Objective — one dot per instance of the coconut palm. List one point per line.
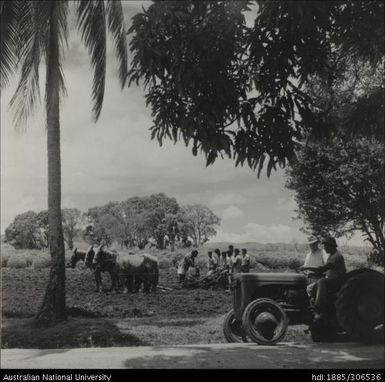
(36, 30)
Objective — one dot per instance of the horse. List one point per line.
(136, 269)
(88, 257)
(105, 261)
(76, 257)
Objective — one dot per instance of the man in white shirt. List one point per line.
(314, 259)
(237, 261)
(245, 261)
(212, 263)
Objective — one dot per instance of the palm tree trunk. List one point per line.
(53, 308)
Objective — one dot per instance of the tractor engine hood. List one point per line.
(272, 278)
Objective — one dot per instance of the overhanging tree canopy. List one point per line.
(239, 91)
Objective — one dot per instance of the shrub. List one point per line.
(4, 259)
(41, 262)
(17, 262)
(294, 263)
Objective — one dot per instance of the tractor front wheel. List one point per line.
(264, 321)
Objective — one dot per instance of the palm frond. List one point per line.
(92, 24)
(9, 38)
(117, 28)
(63, 39)
(28, 52)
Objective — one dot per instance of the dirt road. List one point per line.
(217, 356)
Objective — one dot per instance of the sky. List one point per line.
(115, 159)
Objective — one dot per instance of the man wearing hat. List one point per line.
(314, 259)
(334, 271)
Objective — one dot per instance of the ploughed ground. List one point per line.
(168, 317)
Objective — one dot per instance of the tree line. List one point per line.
(136, 222)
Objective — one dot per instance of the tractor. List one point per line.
(264, 304)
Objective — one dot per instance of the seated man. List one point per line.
(334, 270)
(314, 259)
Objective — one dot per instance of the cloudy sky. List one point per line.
(115, 159)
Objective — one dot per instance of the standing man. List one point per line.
(229, 267)
(334, 270)
(223, 260)
(187, 262)
(212, 263)
(237, 262)
(245, 263)
(218, 255)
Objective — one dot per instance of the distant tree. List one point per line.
(30, 229)
(161, 215)
(42, 221)
(106, 224)
(239, 91)
(24, 232)
(175, 226)
(71, 220)
(201, 223)
(339, 187)
(134, 221)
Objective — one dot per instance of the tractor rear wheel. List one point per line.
(264, 321)
(232, 328)
(360, 306)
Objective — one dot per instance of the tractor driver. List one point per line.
(334, 271)
(314, 259)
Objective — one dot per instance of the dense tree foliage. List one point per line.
(29, 230)
(339, 178)
(238, 90)
(340, 188)
(201, 223)
(25, 232)
(156, 218)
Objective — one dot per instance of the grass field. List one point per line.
(178, 316)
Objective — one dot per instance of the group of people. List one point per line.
(325, 272)
(229, 262)
(325, 268)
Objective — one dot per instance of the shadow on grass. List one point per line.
(73, 333)
(168, 323)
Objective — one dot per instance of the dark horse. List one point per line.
(81, 256)
(88, 257)
(105, 261)
(135, 269)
